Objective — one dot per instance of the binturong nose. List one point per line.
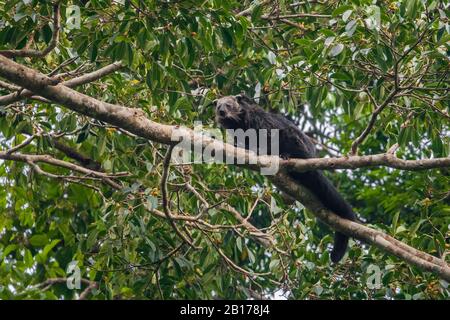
(222, 110)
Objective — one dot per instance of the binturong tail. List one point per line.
(328, 195)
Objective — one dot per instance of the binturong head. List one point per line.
(232, 112)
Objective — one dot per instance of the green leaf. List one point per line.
(336, 50)
(10, 248)
(273, 265)
(256, 13)
(303, 42)
(395, 221)
(84, 133)
(93, 52)
(28, 259)
(227, 37)
(39, 240)
(404, 135)
(318, 290)
(251, 257)
(239, 244)
(340, 10)
(346, 15)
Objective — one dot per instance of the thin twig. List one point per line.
(53, 42)
(165, 203)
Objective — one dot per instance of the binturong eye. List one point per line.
(221, 110)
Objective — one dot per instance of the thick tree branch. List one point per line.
(33, 159)
(76, 155)
(353, 162)
(84, 79)
(383, 241)
(135, 121)
(89, 173)
(8, 86)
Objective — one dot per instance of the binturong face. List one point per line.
(229, 113)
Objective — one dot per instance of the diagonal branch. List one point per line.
(373, 119)
(84, 79)
(263, 238)
(135, 121)
(26, 142)
(165, 202)
(33, 159)
(76, 155)
(394, 93)
(377, 238)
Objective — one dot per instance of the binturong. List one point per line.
(241, 112)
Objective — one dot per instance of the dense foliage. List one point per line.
(327, 65)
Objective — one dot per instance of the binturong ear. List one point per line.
(239, 97)
(242, 98)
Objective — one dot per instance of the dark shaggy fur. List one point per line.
(240, 112)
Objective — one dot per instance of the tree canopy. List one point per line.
(92, 90)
